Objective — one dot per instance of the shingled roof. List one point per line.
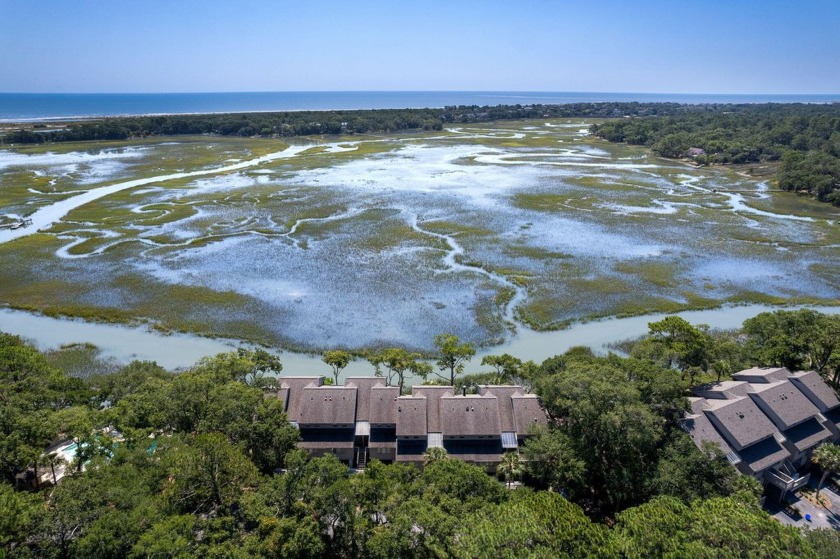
(364, 412)
(294, 387)
(765, 416)
(472, 415)
(527, 412)
(783, 403)
(764, 454)
(328, 405)
(411, 416)
(282, 394)
(383, 405)
(700, 429)
(740, 420)
(752, 459)
(815, 389)
(503, 393)
(807, 434)
(364, 385)
(762, 374)
(433, 394)
(723, 390)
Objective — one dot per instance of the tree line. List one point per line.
(206, 464)
(307, 123)
(803, 139)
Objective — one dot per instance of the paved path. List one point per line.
(820, 517)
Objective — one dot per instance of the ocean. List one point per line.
(47, 106)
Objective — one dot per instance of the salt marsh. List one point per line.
(483, 231)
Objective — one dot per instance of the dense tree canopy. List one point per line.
(804, 139)
(305, 123)
(207, 467)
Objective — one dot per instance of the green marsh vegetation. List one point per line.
(569, 227)
(802, 140)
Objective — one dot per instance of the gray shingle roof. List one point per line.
(470, 415)
(740, 421)
(411, 416)
(295, 386)
(815, 389)
(700, 429)
(833, 416)
(723, 390)
(383, 444)
(282, 394)
(503, 393)
(762, 374)
(527, 412)
(807, 434)
(328, 405)
(778, 417)
(763, 455)
(383, 405)
(364, 384)
(489, 458)
(318, 445)
(783, 403)
(433, 394)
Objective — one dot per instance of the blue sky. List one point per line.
(675, 46)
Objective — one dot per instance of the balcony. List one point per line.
(786, 482)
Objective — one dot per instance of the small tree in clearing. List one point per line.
(827, 457)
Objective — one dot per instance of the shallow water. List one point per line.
(391, 241)
(178, 351)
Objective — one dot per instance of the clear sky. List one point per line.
(645, 46)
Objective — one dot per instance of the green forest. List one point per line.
(803, 139)
(305, 123)
(203, 463)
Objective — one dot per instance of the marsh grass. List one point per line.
(565, 278)
(81, 360)
(659, 274)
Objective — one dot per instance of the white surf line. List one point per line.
(46, 217)
(450, 260)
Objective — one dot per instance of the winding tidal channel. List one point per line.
(49, 215)
(178, 351)
(494, 233)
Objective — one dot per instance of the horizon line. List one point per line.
(487, 91)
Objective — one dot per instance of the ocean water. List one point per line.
(46, 106)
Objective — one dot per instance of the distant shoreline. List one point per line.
(75, 107)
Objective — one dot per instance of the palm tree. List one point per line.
(434, 454)
(827, 457)
(55, 459)
(510, 467)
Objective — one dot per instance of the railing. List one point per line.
(786, 482)
(361, 458)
